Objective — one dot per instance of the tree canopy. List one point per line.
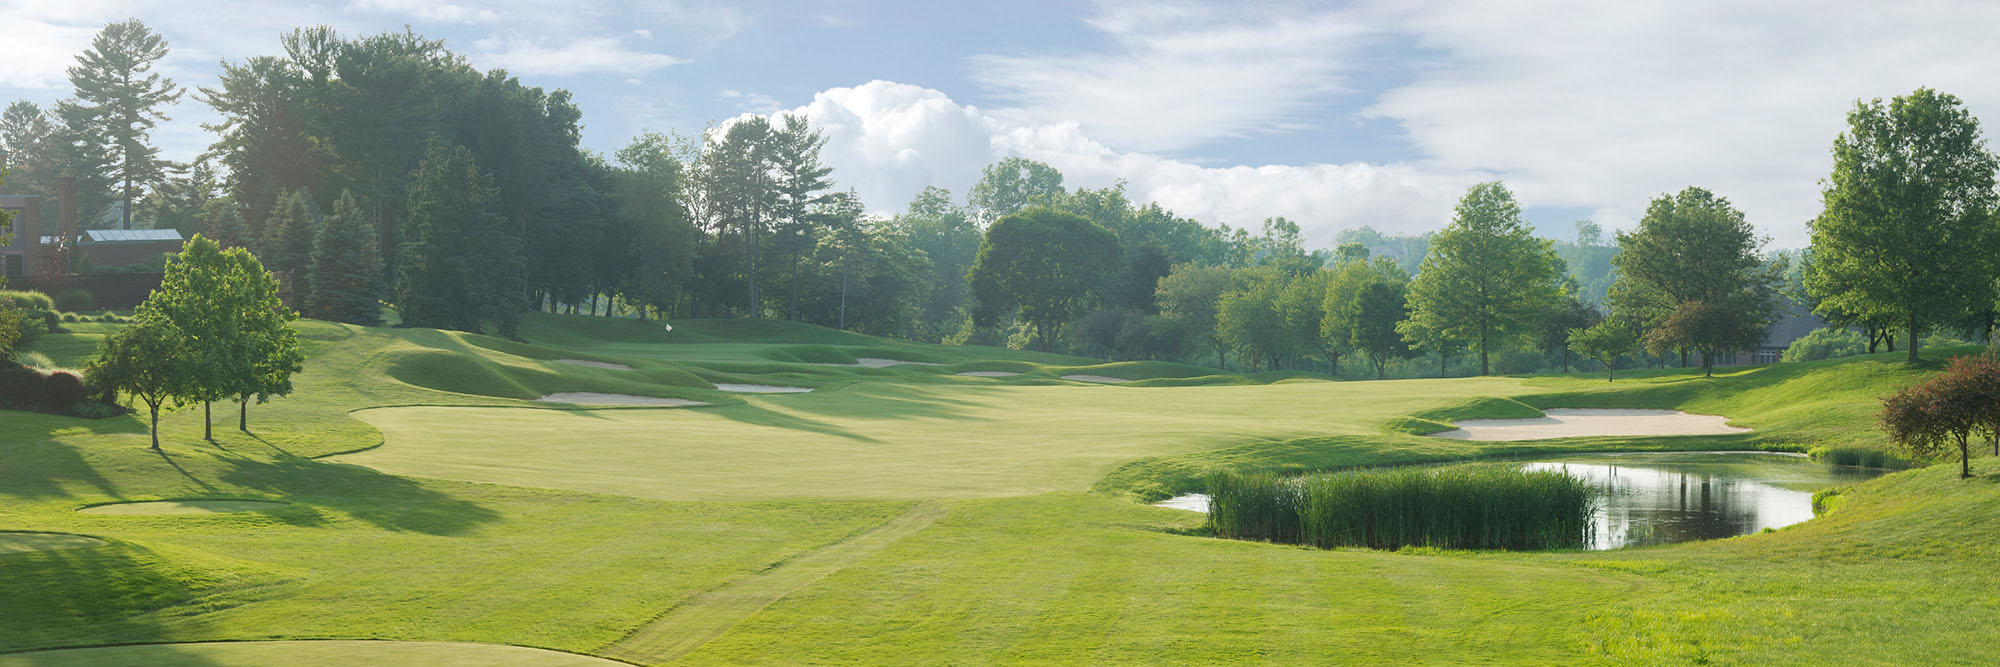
(1907, 232)
(1048, 264)
(1486, 279)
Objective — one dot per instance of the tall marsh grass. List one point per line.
(1465, 507)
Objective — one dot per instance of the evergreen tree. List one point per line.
(120, 97)
(346, 270)
(458, 266)
(287, 242)
(28, 148)
(800, 184)
(222, 221)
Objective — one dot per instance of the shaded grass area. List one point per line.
(1460, 507)
(357, 553)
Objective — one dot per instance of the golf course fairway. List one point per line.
(434, 512)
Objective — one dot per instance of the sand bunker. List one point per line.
(876, 362)
(760, 388)
(11, 543)
(988, 374)
(182, 507)
(1192, 502)
(1095, 378)
(594, 398)
(593, 364)
(1571, 423)
(308, 653)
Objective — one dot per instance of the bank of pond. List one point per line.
(1587, 501)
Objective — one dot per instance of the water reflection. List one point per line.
(1662, 497)
(1658, 498)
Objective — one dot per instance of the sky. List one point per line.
(1335, 115)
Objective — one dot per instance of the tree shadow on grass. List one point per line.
(887, 401)
(751, 413)
(109, 594)
(35, 461)
(387, 501)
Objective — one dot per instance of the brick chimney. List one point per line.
(66, 209)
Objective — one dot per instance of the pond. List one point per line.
(1665, 497)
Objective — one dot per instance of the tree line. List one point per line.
(385, 168)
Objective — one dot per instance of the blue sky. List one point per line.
(1335, 115)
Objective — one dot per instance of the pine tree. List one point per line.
(458, 266)
(222, 221)
(801, 183)
(121, 101)
(287, 244)
(346, 270)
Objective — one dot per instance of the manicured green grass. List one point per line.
(780, 525)
(332, 653)
(875, 440)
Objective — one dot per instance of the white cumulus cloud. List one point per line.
(889, 140)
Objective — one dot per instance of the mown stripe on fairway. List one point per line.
(687, 627)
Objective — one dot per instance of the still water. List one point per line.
(1659, 498)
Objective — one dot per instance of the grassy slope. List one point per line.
(1892, 573)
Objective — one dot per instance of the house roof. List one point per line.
(117, 235)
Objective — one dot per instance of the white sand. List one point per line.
(1571, 423)
(25, 542)
(593, 364)
(182, 507)
(760, 388)
(1095, 378)
(593, 398)
(988, 374)
(1193, 502)
(877, 362)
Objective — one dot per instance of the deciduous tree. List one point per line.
(1908, 227)
(1049, 265)
(1486, 279)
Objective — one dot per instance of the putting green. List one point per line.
(325, 653)
(157, 507)
(881, 441)
(24, 542)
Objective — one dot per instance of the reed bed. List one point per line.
(1465, 507)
